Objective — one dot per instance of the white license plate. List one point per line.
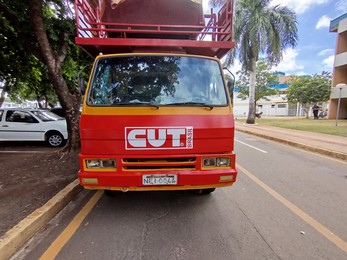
(159, 179)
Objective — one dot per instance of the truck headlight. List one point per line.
(223, 162)
(100, 163)
(209, 162)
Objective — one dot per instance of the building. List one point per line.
(338, 98)
(276, 105)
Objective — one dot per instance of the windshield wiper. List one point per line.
(136, 104)
(191, 103)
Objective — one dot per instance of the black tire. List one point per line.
(112, 193)
(205, 191)
(55, 139)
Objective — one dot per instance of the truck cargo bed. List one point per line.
(119, 26)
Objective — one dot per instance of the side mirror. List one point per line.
(230, 87)
(81, 86)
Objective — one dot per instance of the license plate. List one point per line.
(159, 179)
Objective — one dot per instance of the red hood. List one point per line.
(165, 134)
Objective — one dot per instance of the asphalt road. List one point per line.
(286, 204)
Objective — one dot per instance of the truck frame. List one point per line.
(157, 112)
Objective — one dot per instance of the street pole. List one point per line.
(338, 108)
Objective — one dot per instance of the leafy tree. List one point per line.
(260, 29)
(21, 73)
(308, 90)
(32, 84)
(265, 79)
(44, 30)
(11, 59)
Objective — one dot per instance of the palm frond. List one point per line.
(261, 29)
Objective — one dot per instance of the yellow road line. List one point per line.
(65, 236)
(340, 243)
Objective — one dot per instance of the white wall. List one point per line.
(277, 106)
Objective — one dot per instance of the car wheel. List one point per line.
(55, 139)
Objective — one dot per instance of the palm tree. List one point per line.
(260, 30)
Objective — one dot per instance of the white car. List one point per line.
(21, 124)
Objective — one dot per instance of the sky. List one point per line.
(315, 49)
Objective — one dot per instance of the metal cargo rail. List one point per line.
(95, 34)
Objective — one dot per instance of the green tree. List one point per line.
(44, 29)
(308, 90)
(260, 30)
(12, 60)
(32, 83)
(265, 80)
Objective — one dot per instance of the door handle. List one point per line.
(4, 125)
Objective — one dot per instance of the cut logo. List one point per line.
(144, 138)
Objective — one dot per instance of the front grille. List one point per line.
(147, 164)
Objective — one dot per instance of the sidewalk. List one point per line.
(329, 145)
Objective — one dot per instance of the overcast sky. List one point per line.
(316, 45)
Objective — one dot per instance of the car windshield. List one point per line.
(157, 80)
(46, 116)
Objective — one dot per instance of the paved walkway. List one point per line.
(329, 145)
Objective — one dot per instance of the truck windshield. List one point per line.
(157, 80)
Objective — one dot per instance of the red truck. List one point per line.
(157, 112)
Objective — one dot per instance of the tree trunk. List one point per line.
(252, 79)
(69, 99)
(2, 97)
(307, 110)
(38, 100)
(73, 119)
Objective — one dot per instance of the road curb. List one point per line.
(17, 236)
(330, 153)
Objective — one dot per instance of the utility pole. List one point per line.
(338, 107)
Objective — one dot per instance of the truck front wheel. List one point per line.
(205, 191)
(111, 193)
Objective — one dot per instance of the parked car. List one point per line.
(58, 111)
(21, 124)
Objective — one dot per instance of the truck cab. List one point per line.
(156, 116)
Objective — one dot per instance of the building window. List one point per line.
(282, 105)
